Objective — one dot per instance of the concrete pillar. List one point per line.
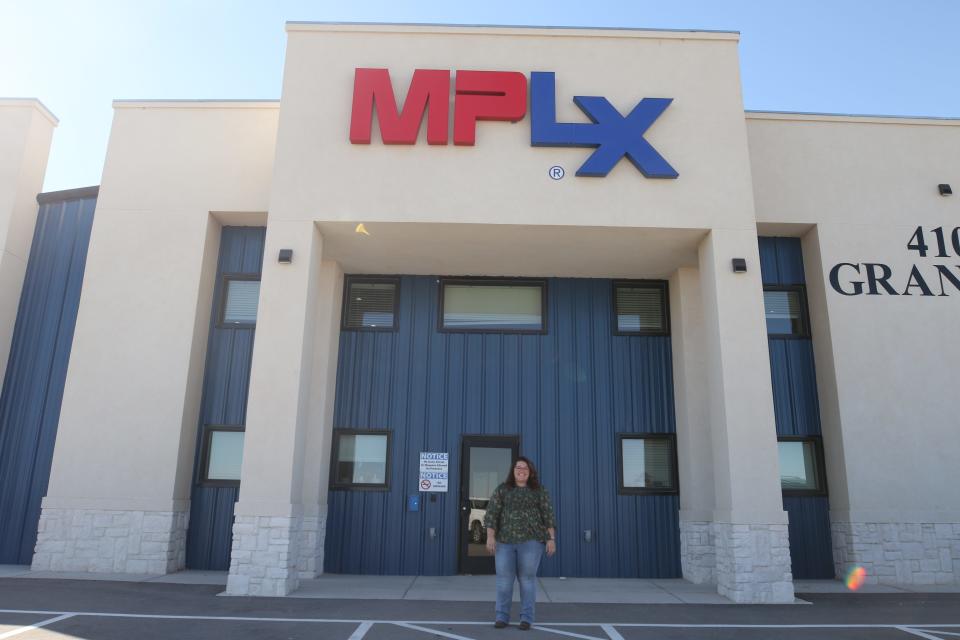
(316, 466)
(131, 403)
(694, 450)
(26, 129)
(835, 457)
(132, 397)
(750, 525)
(270, 513)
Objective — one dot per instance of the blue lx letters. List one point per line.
(614, 135)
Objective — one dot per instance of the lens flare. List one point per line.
(856, 577)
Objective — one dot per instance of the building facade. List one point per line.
(309, 335)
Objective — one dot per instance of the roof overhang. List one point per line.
(509, 250)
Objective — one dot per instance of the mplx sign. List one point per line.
(502, 95)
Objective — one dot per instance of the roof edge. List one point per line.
(197, 104)
(35, 103)
(68, 194)
(499, 29)
(809, 116)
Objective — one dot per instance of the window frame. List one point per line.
(335, 457)
(370, 279)
(819, 461)
(224, 290)
(641, 284)
(206, 440)
(644, 491)
(497, 282)
(804, 314)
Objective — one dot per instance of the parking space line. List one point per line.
(918, 633)
(161, 616)
(569, 634)
(361, 631)
(610, 631)
(36, 625)
(920, 630)
(436, 632)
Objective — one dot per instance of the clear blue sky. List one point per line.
(891, 57)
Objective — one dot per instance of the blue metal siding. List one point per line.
(811, 555)
(37, 369)
(797, 410)
(225, 385)
(781, 261)
(566, 394)
(795, 400)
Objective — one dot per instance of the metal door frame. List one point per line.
(466, 564)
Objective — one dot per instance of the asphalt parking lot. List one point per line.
(63, 609)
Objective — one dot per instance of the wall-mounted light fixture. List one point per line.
(739, 265)
(944, 189)
(286, 256)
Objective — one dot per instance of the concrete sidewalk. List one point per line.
(436, 588)
(481, 588)
(181, 577)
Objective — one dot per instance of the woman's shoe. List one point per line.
(524, 626)
(500, 624)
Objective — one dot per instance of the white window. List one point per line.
(370, 303)
(240, 301)
(361, 459)
(640, 308)
(801, 466)
(647, 463)
(223, 455)
(784, 312)
(493, 305)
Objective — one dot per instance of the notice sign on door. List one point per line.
(434, 471)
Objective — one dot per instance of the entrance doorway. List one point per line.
(485, 463)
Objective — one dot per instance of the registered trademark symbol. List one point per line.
(556, 172)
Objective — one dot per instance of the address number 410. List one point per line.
(918, 244)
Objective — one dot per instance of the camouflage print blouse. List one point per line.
(519, 514)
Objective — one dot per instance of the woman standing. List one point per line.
(520, 525)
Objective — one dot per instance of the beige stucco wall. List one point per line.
(26, 130)
(175, 172)
(888, 399)
(492, 209)
(503, 180)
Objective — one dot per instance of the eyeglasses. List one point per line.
(524, 469)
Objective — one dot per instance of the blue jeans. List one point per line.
(517, 562)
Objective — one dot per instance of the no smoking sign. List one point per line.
(434, 471)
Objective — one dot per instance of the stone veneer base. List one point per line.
(313, 531)
(265, 557)
(698, 558)
(753, 562)
(899, 553)
(111, 541)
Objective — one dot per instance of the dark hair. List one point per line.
(533, 481)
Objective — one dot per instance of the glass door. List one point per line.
(486, 461)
